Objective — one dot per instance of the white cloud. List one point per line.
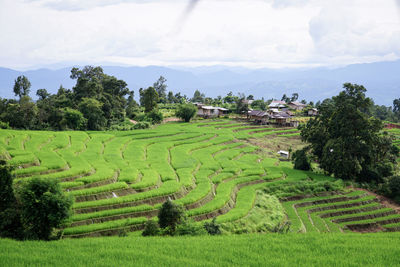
(253, 33)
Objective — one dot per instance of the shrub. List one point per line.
(141, 125)
(391, 188)
(212, 227)
(43, 207)
(189, 227)
(186, 112)
(155, 116)
(10, 223)
(151, 228)
(170, 215)
(301, 160)
(4, 125)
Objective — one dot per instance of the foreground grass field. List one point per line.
(381, 249)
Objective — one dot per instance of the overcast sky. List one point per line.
(250, 33)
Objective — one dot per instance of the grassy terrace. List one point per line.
(213, 168)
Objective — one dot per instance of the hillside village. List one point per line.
(278, 113)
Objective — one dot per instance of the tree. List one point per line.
(198, 97)
(161, 89)
(171, 98)
(285, 98)
(348, 143)
(396, 107)
(73, 119)
(149, 99)
(10, 223)
(43, 207)
(22, 86)
(250, 97)
(301, 160)
(170, 215)
(42, 94)
(91, 109)
(132, 107)
(295, 96)
(186, 112)
(230, 98)
(242, 106)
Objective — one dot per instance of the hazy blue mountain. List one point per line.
(382, 79)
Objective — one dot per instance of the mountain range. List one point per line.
(382, 80)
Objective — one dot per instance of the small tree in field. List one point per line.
(186, 112)
(43, 207)
(301, 160)
(10, 223)
(170, 215)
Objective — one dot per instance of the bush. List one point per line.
(10, 223)
(142, 125)
(189, 227)
(43, 207)
(155, 116)
(151, 228)
(212, 227)
(186, 112)
(170, 215)
(391, 188)
(4, 125)
(301, 160)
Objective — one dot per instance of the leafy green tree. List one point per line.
(149, 99)
(22, 86)
(198, 97)
(242, 107)
(73, 119)
(170, 215)
(396, 107)
(44, 207)
(132, 108)
(230, 98)
(10, 223)
(295, 96)
(161, 89)
(91, 109)
(186, 112)
(42, 94)
(348, 143)
(301, 161)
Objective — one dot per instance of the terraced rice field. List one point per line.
(340, 212)
(120, 179)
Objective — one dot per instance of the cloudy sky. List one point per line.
(250, 33)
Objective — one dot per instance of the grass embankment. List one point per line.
(237, 250)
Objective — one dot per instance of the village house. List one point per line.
(313, 112)
(296, 105)
(260, 117)
(210, 111)
(277, 104)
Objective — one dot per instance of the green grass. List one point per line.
(236, 250)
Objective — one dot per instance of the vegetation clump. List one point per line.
(34, 209)
(347, 142)
(186, 112)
